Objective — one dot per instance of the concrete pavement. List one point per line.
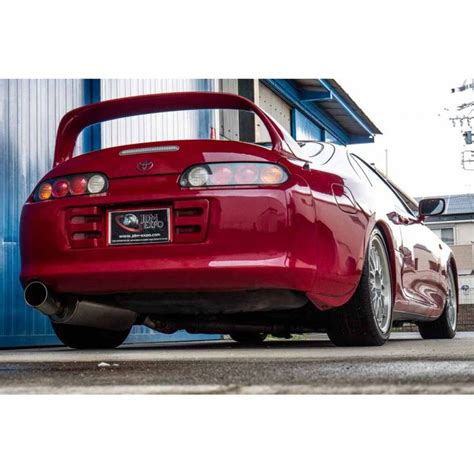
(406, 364)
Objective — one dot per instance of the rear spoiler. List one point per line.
(78, 119)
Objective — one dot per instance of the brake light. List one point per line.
(233, 174)
(222, 175)
(75, 185)
(246, 173)
(60, 188)
(78, 185)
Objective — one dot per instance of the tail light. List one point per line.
(233, 174)
(44, 192)
(73, 185)
(78, 185)
(60, 188)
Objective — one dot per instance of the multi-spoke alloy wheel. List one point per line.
(445, 326)
(451, 302)
(379, 283)
(367, 319)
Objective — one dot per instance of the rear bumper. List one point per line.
(167, 274)
(253, 238)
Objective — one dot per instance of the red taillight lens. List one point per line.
(60, 188)
(246, 173)
(221, 175)
(78, 185)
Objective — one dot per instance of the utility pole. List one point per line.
(464, 118)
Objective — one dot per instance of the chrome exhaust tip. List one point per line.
(77, 312)
(37, 296)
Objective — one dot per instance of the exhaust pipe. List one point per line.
(78, 312)
(37, 296)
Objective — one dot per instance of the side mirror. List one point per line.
(431, 207)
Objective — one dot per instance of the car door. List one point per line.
(421, 271)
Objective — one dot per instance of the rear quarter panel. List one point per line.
(346, 210)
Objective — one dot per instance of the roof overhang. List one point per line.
(325, 103)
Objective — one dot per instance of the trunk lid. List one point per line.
(161, 158)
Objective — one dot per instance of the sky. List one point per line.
(424, 149)
(398, 60)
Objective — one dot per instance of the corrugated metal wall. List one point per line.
(305, 129)
(155, 127)
(30, 111)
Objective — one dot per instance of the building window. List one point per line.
(446, 235)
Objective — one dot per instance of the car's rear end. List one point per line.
(181, 227)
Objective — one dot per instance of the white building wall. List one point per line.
(465, 233)
(274, 106)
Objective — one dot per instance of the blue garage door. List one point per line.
(30, 111)
(305, 129)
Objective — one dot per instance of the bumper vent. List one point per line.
(190, 220)
(85, 227)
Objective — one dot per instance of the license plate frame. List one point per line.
(153, 229)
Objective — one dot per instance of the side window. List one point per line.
(384, 191)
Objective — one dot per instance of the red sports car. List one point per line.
(223, 236)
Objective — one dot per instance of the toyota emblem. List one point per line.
(145, 165)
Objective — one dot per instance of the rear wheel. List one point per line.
(81, 337)
(248, 337)
(445, 326)
(366, 320)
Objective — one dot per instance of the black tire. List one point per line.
(443, 327)
(355, 323)
(81, 337)
(248, 337)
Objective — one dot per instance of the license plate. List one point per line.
(138, 226)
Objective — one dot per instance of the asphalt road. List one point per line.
(406, 364)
